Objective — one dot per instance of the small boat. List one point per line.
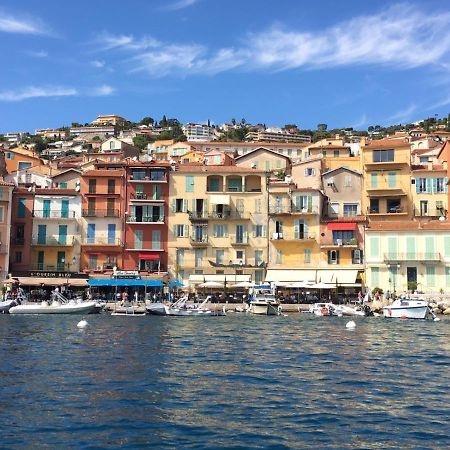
(6, 305)
(347, 310)
(407, 308)
(59, 305)
(129, 311)
(265, 304)
(182, 308)
(322, 309)
(157, 309)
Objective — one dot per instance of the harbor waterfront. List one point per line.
(233, 382)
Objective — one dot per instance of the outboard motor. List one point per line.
(367, 311)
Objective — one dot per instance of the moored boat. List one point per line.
(407, 308)
(265, 304)
(54, 307)
(182, 308)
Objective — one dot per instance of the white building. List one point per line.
(198, 132)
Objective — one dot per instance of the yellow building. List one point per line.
(294, 233)
(218, 224)
(386, 169)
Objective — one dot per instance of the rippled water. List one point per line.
(236, 382)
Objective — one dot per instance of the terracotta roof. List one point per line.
(104, 173)
(215, 169)
(345, 219)
(409, 225)
(306, 190)
(53, 191)
(250, 144)
(259, 149)
(329, 147)
(421, 168)
(387, 143)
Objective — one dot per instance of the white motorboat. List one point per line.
(59, 305)
(183, 308)
(55, 307)
(407, 308)
(6, 305)
(347, 310)
(129, 311)
(322, 309)
(265, 304)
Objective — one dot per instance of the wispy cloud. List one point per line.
(102, 91)
(36, 92)
(180, 4)
(361, 121)
(11, 24)
(30, 92)
(37, 53)
(403, 115)
(401, 37)
(98, 64)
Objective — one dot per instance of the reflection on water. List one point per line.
(223, 382)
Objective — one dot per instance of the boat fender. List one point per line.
(350, 325)
(324, 311)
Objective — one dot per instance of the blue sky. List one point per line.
(344, 63)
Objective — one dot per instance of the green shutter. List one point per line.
(296, 229)
(447, 276)
(309, 203)
(374, 247)
(411, 248)
(447, 246)
(189, 183)
(430, 248)
(392, 180)
(431, 276)
(392, 246)
(373, 180)
(375, 275)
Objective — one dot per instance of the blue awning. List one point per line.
(95, 282)
(176, 284)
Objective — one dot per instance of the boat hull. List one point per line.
(79, 308)
(6, 306)
(415, 312)
(263, 309)
(157, 309)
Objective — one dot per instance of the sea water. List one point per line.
(237, 382)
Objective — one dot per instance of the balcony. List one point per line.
(146, 219)
(243, 240)
(92, 192)
(58, 267)
(101, 241)
(54, 241)
(109, 265)
(136, 196)
(395, 210)
(151, 176)
(301, 210)
(44, 214)
(199, 241)
(331, 243)
(413, 256)
(100, 213)
(198, 215)
(292, 237)
(292, 209)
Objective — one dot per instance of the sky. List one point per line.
(346, 63)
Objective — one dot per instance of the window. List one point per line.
(347, 181)
(93, 262)
(279, 257)
(220, 256)
(373, 180)
(383, 155)
(258, 276)
(423, 160)
(289, 152)
(431, 278)
(21, 208)
(181, 230)
(258, 257)
(259, 231)
(180, 256)
(258, 206)
(63, 185)
(336, 153)
(350, 209)
(392, 180)
(343, 236)
(9, 155)
(92, 186)
(1, 214)
(112, 145)
(278, 164)
(220, 231)
(24, 165)
(180, 205)
(439, 185)
(374, 207)
(421, 185)
(156, 195)
(138, 239)
(324, 153)
(310, 172)
(375, 275)
(357, 256)
(18, 258)
(307, 255)
(189, 183)
(333, 256)
(199, 255)
(156, 239)
(440, 207)
(111, 186)
(267, 165)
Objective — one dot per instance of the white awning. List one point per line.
(48, 281)
(341, 277)
(219, 199)
(219, 278)
(290, 276)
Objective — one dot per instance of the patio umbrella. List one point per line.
(243, 284)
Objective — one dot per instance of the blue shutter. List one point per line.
(62, 234)
(42, 232)
(445, 184)
(190, 183)
(434, 184)
(428, 184)
(91, 233)
(111, 233)
(46, 210)
(417, 185)
(65, 209)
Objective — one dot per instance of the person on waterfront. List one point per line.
(136, 296)
(387, 295)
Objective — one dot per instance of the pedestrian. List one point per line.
(136, 296)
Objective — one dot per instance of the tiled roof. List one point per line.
(104, 173)
(217, 169)
(345, 219)
(387, 143)
(53, 191)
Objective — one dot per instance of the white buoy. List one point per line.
(350, 324)
(82, 324)
(436, 319)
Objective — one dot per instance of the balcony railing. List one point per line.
(109, 265)
(392, 210)
(292, 236)
(148, 177)
(199, 240)
(239, 240)
(55, 241)
(100, 213)
(142, 196)
(58, 267)
(291, 209)
(198, 215)
(44, 214)
(339, 242)
(413, 256)
(101, 241)
(145, 219)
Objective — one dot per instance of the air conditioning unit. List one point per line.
(339, 241)
(330, 182)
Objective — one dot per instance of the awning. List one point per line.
(219, 278)
(217, 199)
(344, 226)
(341, 277)
(52, 281)
(149, 256)
(96, 282)
(290, 275)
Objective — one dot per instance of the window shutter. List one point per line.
(193, 205)
(445, 184)
(309, 203)
(225, 230)
(264, 231)
(175, 231)
(434, 184)
(428, 185)
(174, 205)
(185, 205)
(417, 185)
(296, 229)
(337, 256)
(306, 172)
(254, 230)
(205, 206)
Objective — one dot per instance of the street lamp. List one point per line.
(69, 263)
(394, 275)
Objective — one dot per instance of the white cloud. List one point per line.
(404, 115)
(11, 24)
(401, 37)
(38, 53)
(361, 121)
(101, 91)
(98, 64)
(35, 92)
(180, 4)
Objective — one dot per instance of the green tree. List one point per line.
(163, 122)
(147, 121)
(322, 127)
(141, 141)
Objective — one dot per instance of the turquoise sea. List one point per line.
(235, 382)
